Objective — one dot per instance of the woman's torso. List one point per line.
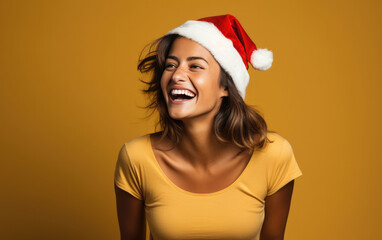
(228, 204)
(212, 179)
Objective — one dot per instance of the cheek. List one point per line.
(203, 81)
(209, 84)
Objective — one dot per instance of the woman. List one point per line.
(214, 171)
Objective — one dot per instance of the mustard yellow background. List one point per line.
(70, 97)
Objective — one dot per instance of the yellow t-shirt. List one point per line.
(235, 212)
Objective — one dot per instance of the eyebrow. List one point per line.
(188, 59)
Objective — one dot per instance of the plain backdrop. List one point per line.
(70, 97)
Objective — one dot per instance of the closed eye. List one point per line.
(196, 66)
(169, 66)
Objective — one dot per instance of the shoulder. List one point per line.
(277, 143)
(137, 141)
(276, 137)
(279, 149)
(281, 164)
(131, 150)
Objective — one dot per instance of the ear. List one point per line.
(224, 91)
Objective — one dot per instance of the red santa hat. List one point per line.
(227, 41)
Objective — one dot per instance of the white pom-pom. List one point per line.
(261, 59)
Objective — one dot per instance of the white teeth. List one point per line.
(183, 92)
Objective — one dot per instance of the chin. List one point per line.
(179, 113)
(177, 116)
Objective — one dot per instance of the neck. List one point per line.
(200, 145)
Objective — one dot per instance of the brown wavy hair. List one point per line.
(235, 122)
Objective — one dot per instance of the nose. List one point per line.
(179, 75)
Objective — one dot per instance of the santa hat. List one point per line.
(227, 41)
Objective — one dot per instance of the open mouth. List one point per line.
(181, 95)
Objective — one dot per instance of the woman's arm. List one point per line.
(276, 213)
(131, 216)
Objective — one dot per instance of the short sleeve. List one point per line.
(126, 174)
(283, 169)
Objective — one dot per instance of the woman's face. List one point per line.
(190, 81)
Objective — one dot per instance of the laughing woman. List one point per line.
(214, 171)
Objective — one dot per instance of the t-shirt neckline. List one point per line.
(229, 187)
